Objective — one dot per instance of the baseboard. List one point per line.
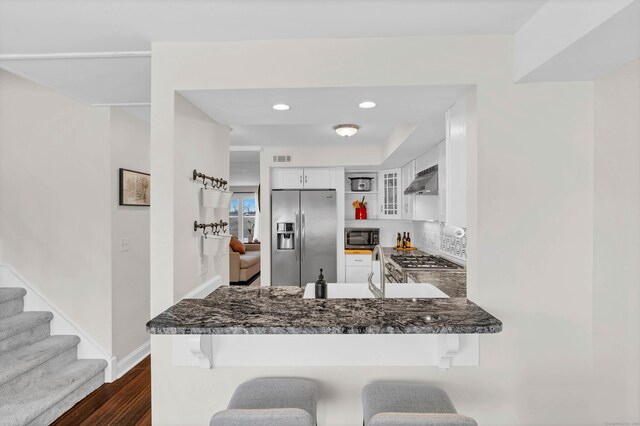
(133, 359)
(204, 289)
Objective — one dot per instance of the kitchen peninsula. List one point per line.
(282, 310)
(245, 326)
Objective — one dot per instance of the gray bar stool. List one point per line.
(271, 402)
(402, 404)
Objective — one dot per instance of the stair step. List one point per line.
(28, 364)
(11, 308)
(11, 293)
(23, 329)
(11, 301)
(42, 402)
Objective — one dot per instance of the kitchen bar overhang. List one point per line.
(282, 312)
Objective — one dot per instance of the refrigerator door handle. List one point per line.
(297, 234)
(302, 238)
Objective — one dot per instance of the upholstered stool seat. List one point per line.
(271, 402)
(401, 404)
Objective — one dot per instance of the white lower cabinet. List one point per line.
(358, 267)
(357, 274)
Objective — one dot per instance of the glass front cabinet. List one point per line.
(390, 194)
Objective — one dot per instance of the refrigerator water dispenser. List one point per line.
(286, 235)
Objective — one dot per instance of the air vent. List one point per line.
(281, 158)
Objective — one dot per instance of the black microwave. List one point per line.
(361, 238)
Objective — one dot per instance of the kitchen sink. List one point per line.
(393, 291)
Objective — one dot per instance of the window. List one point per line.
(244, 217)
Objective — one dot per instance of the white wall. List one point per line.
(55, 200)
(616, 295)
(60, 222)
(129, 269)
(526, 266)
(203, 145)
(244, 173)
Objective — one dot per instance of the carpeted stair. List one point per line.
(41, 376)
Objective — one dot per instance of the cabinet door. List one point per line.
(288, 178)
(357, 274)
(408, 175)
(456, 170)
(389, 196)
(319, 179)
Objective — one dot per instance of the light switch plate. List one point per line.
(124, 244)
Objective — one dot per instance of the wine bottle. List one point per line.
(404, 240)
(408, 240)
(399, 241)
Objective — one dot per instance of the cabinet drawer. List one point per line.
(357, 274)
(358, 260)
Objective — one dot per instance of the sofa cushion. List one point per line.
(249, 259)
(237, 245)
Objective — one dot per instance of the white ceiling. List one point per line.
(611, 45)
(56, 26)
(314, 112)
(29, 26)
(92, 81)
(333, 105)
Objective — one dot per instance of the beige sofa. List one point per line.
(243, 267)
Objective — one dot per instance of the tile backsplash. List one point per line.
(427, 236)
(453, 246)
(430, 238)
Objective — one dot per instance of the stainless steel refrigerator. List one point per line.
(303, 236)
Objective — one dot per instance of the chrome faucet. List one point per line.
(377, 292)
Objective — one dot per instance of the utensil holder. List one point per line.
(215, 245)
(216, 198)
(361, 213)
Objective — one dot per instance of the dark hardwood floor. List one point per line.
(127, 401)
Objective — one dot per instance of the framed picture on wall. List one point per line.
(135, 188)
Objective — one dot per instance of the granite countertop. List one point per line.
(282, 310)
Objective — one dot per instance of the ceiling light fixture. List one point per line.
(281, 107)
(367, 104)
(346, 130)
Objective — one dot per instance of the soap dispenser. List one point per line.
(321, 287)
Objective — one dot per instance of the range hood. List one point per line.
(425, 183)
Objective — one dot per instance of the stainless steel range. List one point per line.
(400, 264)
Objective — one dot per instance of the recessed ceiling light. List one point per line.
(346, 130)
(281, 107)
(367, 104)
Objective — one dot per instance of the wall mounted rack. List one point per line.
(215, 182)
(215, 227)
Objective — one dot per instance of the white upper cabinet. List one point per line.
(299, 178)
(288, 178)
(408, 174)
(318, 178)
(456, 165)
(390, 194)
